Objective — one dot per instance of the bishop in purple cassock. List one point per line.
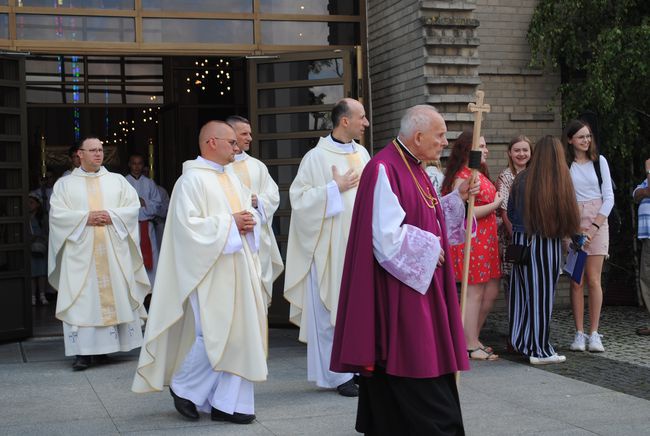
(398, 322)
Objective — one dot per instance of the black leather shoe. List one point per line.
(237, 418)
(184, 407)
(81, 363)
(348, 389)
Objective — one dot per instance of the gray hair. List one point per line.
(416, 118)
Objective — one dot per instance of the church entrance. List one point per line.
(154, 106)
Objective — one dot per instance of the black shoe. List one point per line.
(237, 418)
(184, 407)
(102, 359)
(81, 363)
(348, 389)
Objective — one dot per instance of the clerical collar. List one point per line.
(348, 148)
(241, 156)
(89, 172)
(403, 147)
(214, 165)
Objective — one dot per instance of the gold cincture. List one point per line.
(429, 199)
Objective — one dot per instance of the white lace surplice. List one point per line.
(408, 253)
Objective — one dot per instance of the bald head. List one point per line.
(217, 142)
(424, 132)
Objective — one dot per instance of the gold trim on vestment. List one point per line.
(100, 255)
(354, 161)
(231, 193)
(241, 169)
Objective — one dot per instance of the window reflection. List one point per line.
(199, 5)
(11, 207)
(311, 7)
(11, 233)
(315, 95)
(195, 30)
(74, 28)
(10, 151)
(4, 26)
(11, 261)
(9, 97)
(283, 174)
(9, 124)
(309, 33)
(10, 178)
(94, 4)
(300, 70)
(296, 122)
(286, 148)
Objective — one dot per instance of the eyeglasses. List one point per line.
(92, 150)
(581, 137)
(232, 142)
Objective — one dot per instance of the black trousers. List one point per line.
(390, 405)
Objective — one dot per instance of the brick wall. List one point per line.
(396, 61)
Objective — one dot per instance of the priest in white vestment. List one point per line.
(150, 208)
(206, 335)
(265, 198)
(322, 198)
(94, 259)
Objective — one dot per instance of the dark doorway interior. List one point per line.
(153, 106)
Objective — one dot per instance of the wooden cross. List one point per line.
(477, 108)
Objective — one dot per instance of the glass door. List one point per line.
(291, 98)
(15, 289)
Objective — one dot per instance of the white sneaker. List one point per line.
(595, 344)
(579, 342)
(556, 358)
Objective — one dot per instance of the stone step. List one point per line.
(453, 80)
(458, 117)
(448, 5)
(451, 98)
(451, 60)
(453, 41)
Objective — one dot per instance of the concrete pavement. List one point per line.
(40, 395)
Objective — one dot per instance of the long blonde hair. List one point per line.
(550, 206)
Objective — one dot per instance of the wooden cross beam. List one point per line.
(477, 108)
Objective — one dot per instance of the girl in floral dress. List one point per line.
(485, 268)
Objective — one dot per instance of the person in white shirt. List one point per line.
(595, 202)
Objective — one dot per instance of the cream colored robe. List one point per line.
(314, 238)
(231, 300)
(255, 176)
(116, 296)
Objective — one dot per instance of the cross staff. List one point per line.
(477, 108)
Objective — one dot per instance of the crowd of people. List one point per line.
(374, 256)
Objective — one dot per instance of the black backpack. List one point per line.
(614, 218)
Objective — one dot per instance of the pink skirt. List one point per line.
(599, 244)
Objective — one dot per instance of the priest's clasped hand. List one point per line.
(345, 181)
(254, 200)
(441, 258)
(99, 218)
(245, 221)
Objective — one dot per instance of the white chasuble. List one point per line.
(318, 237)
(255, 176)
(97, 270)
(195, 257)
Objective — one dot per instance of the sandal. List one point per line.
(486, 355)
(487, 349)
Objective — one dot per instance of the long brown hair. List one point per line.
(550, 207)
(571, 129)
(459, 158)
